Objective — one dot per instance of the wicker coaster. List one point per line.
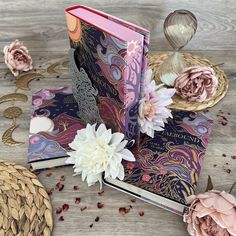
(156, 59)
(25, 208)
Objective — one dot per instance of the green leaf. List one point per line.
(232, 187)
(209, 184)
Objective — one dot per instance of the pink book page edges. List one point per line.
(115, 29)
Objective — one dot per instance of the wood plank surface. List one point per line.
(41, 26)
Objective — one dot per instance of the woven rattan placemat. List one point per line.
(25, 208)
(156, 59)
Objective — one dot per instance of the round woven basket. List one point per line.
(25, 207)
(156, 59)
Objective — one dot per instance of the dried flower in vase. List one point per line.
(196, 83)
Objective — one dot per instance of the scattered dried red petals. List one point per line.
(133, 200)
(100, 205)
(91, 226)
(233, 157)
(50, 191)
(61, 218)
(65, 207)
(141, 213)
(97, 219)
(49, 174)
(59, 186)
(58, 210)
(62, 178)
(77, 200)
(222, 120)
(124, 210)
(76, 187)
(101, 193)
(83, 208)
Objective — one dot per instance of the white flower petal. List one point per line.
(116, 138)
(127, 155)
(121, 173)
(105, 137)
(70, 160)
(101, 129)
(121, 145)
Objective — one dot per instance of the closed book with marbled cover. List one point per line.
(107, 59)
(168, 166)
(54, 124)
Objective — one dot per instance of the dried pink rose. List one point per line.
(196, 83)
(211, 213)
(17, 58)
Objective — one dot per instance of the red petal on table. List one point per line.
(59, 186)
(233, 157)
(124, 210)
(50, 191)
(101, 193)
(62, 178)
(58, 210)
(141, 213)
(100, 205)
(83, 208)
(61, 218)
(76, 187)
(65, 207)
(77, 200)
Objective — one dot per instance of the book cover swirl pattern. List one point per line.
(114, 68)
(169, 164)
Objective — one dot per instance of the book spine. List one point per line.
(133, 74)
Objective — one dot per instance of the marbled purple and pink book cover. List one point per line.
(108, 57)
(54, 124)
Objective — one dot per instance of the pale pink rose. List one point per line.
(17, 58)
(211, 214)
(146, 177)
(196, 83)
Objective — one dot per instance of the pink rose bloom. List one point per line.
(146, 177)
(17, 58)
(196, 83)
(211, 214)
